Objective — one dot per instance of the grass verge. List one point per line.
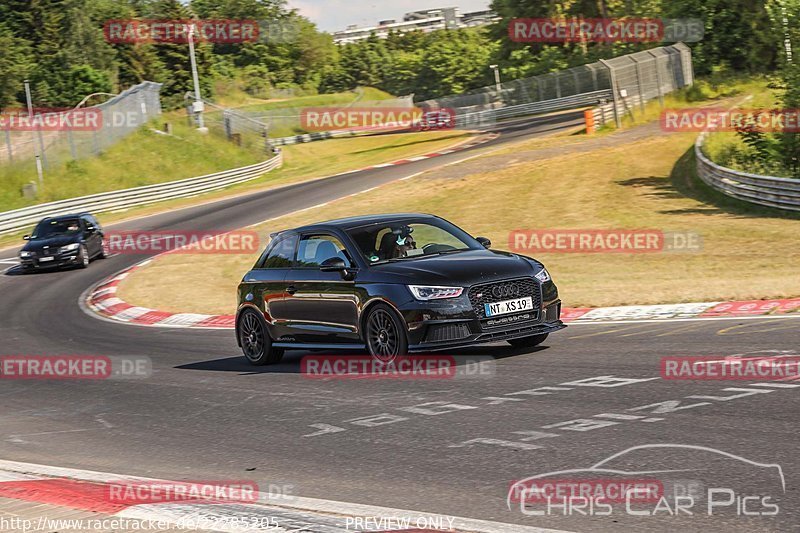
(302, 162)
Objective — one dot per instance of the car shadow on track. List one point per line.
(292, 361)
(17, 270)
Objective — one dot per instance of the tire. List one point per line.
(528, 342)
(385, 333)
(102, 254)
(83, 257)
(255, 340)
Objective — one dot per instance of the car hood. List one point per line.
(462, 268)
(52, 242)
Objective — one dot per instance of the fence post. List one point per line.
(71, 140)
(8, 147)
(639, 83)
(658, 78)
(41, 146)
(613, 77)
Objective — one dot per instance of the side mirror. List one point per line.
(337, 264)
(486, 243)
(333, 264)
(90, 229)
(26, 237)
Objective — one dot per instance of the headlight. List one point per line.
(24, 254)
(543, 275)
(421, 292)
(69, 247)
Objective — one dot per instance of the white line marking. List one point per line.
(668, 320)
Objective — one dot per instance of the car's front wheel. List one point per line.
(255, 340)
(528, 342)
(83, 257)
(385, 334)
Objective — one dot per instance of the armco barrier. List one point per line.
(11, 221)
(771, 191)
(490, 116)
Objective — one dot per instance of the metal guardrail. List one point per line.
(17, 219)
(770, 191)
(490, 116)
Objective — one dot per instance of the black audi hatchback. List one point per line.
(391, 284)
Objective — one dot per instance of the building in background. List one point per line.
(444, 18)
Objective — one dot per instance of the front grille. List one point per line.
(446, 332)
(505, 290)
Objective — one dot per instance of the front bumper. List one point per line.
(457, 322)
(58, 260)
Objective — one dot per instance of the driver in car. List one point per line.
(397, 243)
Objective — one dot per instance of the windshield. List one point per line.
(409, 239)
(56, 228)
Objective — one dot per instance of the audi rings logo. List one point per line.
(506, 291)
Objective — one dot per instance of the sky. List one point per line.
(332, 15)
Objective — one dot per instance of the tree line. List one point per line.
(60, 47)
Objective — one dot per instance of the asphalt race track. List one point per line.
(206, 414)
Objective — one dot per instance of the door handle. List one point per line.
(291, 289)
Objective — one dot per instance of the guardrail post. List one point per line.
(613, 77)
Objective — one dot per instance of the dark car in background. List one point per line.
(67, 240)
(391, 284)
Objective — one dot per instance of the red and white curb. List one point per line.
(86, 490)
(457, 148)
(104, 301)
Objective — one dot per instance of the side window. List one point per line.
(86, 222)
(315, 249)
(281, 253)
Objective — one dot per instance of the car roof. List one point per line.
(354, 222)
(64, 217)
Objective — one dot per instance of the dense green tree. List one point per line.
(15, 65)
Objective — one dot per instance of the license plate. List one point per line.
(509, 306)
(44, 259)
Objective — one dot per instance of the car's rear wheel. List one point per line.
(255, 340)
(102, 254)
(83, 257)
(528, 342)
(385, 334)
